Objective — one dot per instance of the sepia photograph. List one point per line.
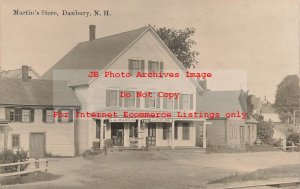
(140, 94)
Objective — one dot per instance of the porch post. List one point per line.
(204, 134)
(101, 134)
(139, 134)
(173, 133)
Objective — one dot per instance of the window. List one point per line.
(136, 66)
(170, 103)
(18, 115)
(48, 116)
(253, 131)
(25, 115)
(185, 131)
(152, 100)
(65, 119)
(166, 130)
(112, 98)
(21, 115)
(186, 101)
(15, 139)
(176, 131)
(133, 130)
(98, 129)
(130, 101)
(153, 66)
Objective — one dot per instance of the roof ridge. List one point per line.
(145, 27)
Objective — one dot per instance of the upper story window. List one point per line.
(66, 119)
(48, 116)
(186, 101)
(112, 97)
(135, 66)
(153, 101)
(155, 66)
(170, 103)
(21, 115)
(130, 102)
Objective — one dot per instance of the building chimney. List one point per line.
(25, 70)
(92, 32)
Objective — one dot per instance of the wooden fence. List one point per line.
(37, 167)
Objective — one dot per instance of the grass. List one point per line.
(241, 149)
(28, 178)
(263, 174)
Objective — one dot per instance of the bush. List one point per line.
(8, 156)
(294, 137)
(265, 132)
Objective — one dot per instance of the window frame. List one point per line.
(154, 96)
(131, 98)
(188, 99)
(135, 68)
(13, 141)
(46, 115)
(117, 97)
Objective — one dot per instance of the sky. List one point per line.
(246, 44)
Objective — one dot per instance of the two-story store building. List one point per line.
(136, 51)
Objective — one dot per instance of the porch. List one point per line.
(154, 133)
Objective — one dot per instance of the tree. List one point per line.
(180, 43)
(287, 97)
(250, 105)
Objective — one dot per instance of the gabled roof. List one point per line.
(221, 101)
(98, 55)
(17, 73)
(36, 92)
(93, 55)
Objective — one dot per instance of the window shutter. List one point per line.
(191, 101)
(130, 66)
(165, 103)
(59, 118)
(7, 113)
(70, 116)
(149, 66)
(120, 99)
(108, 98)
(146, 102)
(180, 101)
(31, 115)
(44, 115)
(176, 103)
(142, 66)
(157, 101)
(161, 67)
